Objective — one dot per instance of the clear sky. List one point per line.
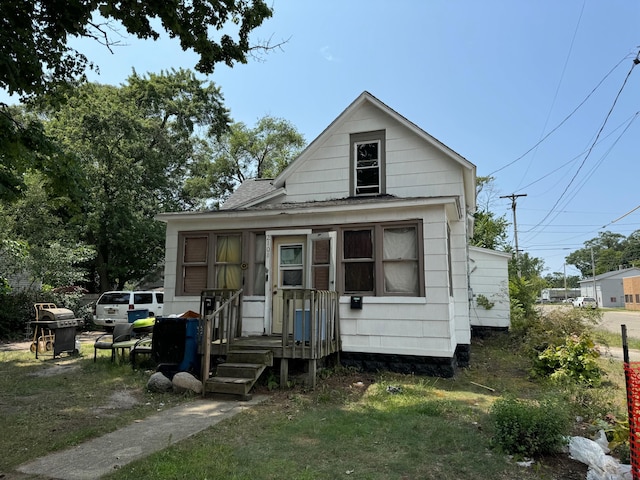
(522, 89)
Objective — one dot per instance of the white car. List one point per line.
(113, 307)
(585, 302)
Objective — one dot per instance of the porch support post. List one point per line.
(312, 372)
(284, 372)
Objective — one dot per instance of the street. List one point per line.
(612, 320)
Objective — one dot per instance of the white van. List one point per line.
(113, 307)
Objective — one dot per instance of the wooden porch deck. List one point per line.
(311, 317)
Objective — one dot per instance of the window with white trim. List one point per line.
(367, 160)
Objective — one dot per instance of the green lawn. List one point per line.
(351, 426)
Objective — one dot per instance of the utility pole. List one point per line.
(513, 198)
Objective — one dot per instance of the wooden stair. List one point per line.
(240, 371)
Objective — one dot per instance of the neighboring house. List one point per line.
(631, 287)
(607, 288)
(374, 209)
(489, 289)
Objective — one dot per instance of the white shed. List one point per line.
(489, 306)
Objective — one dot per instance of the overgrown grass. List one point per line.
(48, 404)
(354, 425)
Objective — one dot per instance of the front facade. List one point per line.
(374, 209)
(607, 288)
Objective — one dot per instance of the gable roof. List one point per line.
(468, 168)
(622, 273)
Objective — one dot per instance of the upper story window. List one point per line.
(367, 159)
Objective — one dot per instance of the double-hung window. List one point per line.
(367, 159)
(382, 260)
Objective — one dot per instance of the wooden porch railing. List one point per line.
(312, 319)
(221, 313)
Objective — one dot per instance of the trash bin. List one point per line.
(175, 345)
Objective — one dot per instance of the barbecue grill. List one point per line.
(54, 329)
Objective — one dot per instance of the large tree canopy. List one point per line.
(34, 49)
(36, 58)
(244, 152)
(135, 146)
(606, 251)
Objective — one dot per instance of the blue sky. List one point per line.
(522, 89)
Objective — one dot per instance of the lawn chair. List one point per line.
(119, 339)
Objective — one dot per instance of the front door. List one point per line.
(298, 260)
(289, 268)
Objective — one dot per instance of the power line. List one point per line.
(562, 122)
(593, 144)
(555, 96)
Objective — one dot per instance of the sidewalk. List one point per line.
(103, 455)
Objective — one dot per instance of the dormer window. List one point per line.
(367, 163)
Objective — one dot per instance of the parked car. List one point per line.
(113, 307)
(585, 302)
(569, 300)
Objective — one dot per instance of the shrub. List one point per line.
(575, 360)
(527, 428)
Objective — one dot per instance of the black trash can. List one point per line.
(175, 345)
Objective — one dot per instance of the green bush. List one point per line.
(527, 428)
(575, 360)
(16, 309)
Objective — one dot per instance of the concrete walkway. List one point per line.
(100, 456)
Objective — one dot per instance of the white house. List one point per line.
(375, 209)
(607, 288)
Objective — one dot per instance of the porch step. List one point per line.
(230, 385)
(264, 357)
(239, 370)
(239, 373)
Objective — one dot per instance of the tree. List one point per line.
(52, 252)
(35, 56)
(558, 279)
(136, 145)
(631, 250)
(489, 231)
(606, 251)
(259, 152)
(525, 282)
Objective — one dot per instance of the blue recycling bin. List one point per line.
(303, 332)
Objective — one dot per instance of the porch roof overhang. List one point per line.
(340, 206)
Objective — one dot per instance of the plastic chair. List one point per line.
(120, 338)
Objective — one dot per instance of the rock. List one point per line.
(183, 381)
(158, 382)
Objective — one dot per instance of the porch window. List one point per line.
(382, 260)
(321, 259)
(194, 264)
(217, 260)
(400, 261)
(367, 160)
(358, 261)
(228, 261)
